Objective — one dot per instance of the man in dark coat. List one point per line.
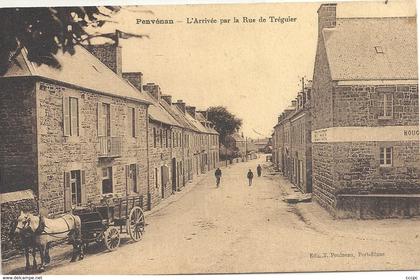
(259, 169)
(250, 175)
(218, 174)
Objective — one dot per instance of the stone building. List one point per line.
(212, 140)
(282, 142)
(365, 116)
(292, 134)
(71, 135)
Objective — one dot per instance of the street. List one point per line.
(237, 228)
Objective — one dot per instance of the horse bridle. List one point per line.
(25, 223)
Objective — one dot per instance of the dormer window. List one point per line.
(379, 49)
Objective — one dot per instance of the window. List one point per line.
(170, 138)
(104, 119)
(386, 106)
(76, 192)
(132, 121)
(74, 189)
(107, 186)
(379, 49)
(156, 178)
(71, 116)
(161, 137)
(385, 157)
(154, 137)
(131, 177)
(173, 139)
(166, 139)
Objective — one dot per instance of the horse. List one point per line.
(46, 230)
(27, 242)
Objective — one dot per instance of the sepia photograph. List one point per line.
(220, 138)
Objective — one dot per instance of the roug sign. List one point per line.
(366, 134)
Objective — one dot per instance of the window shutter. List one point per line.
(66, 116)
(136, 122)
(83, 187)
(80, 116)
(101, 124)
(127, 179)
(130, 121)
(67, 192)
(112, 118)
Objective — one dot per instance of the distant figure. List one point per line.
(250, 175)
(259, 169)
(218, 174)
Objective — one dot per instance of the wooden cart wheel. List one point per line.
(135, 223)
(112, 238)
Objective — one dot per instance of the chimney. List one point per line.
(135, 78)
(191, 110)
(167, 98)
(181, 105)
(204, 113)
(153, 90)
(327, 17)
(294, 103)
(108, 54)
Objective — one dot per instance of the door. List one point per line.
(174, 174)
(164, 173)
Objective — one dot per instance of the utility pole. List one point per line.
(246, 148)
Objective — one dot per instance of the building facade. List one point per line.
(365, 138)
(292, 142)
(78, 140)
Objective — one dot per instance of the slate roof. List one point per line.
(181, 118)
(200, 117)
(351, 49)
(81, 69)
(199, 127)
(157, 112)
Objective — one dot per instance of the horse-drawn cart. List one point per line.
(104, 223)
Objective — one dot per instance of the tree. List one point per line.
(225, 122)
(44, 31)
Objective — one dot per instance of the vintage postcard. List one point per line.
(209, 138)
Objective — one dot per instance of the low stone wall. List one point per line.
(11, 205)
(377, 206)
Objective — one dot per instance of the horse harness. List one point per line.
(40, 230)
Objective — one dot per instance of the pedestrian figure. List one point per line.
(259, 170)
(250, 175)
(218, 174)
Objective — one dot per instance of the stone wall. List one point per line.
(357, 169)
(322, 175)
(18, 149)
(159, 156)
(11, 205)
(322, 90)
(59, 153)
(361, 105)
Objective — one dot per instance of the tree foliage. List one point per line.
(45, 31)
(225, 122)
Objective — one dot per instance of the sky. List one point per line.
(253, 69)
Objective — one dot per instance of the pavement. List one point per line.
(237, 229)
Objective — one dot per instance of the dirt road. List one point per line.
(236, 228)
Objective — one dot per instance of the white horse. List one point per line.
(46, 230)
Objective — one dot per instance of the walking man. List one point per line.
(250, 175)
(218, 174)
(259, 170)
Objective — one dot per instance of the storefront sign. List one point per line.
(366, 134)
